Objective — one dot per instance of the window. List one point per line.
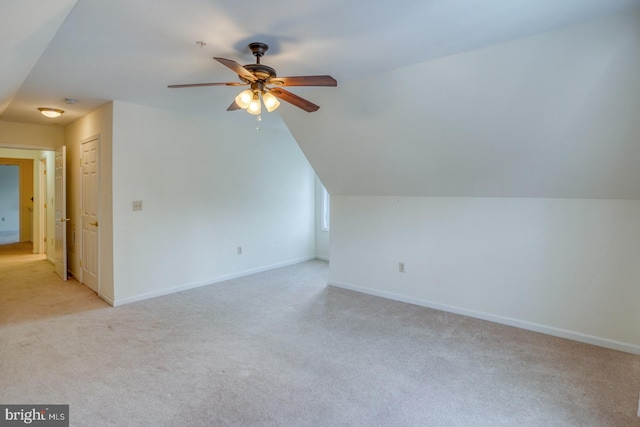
(326, 209)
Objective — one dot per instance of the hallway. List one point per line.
(30, 290)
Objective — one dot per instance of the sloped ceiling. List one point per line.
(27, 29)
(440, 97)
(553, 115)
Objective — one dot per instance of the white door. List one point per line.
(90, 224)
(60, 204)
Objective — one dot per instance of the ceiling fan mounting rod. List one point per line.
(258, 49)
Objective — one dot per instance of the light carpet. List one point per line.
(281, 348)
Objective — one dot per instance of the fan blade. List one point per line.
(208, 84)
(307, 106)
(234, 106)
(304, 81)
(237, 68)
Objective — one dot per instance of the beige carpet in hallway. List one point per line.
(30, 290)
(281, 348)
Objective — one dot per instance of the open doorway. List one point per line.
(9, 204)
(34, 222)
(26, 208)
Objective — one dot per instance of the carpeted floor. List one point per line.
(281, 348)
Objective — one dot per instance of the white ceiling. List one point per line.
(26, 28)
(131, 50)
(500, 111)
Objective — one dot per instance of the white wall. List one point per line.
(207, 186)
(564, 267)
(98, 123)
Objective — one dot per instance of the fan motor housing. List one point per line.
(261, 71)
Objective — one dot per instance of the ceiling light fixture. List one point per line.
(51, 113)
(254, 106)
(270, 101)
(252, 99)
(244, 98)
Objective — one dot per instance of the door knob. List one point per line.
(94, 223)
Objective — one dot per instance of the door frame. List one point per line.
(60, 205)
(42, 204)
(26, 205)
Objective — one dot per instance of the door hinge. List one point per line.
(80, 263)
(45, 240)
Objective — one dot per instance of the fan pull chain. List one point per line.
(258, 120)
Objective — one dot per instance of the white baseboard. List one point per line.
(535, 327)
(109, 300)
(187, 286)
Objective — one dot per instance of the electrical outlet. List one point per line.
(401, 267)
(239, 250)
(137, 205)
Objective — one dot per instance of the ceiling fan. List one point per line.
(265, 85)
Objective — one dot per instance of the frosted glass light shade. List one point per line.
(254, 106)
(244, 98)
(52, 113)
(270, 102)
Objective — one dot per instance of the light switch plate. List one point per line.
(137, 205)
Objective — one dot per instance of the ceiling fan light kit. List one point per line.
(258, 76)
(271, 103)
(254, 106)
(244, 98)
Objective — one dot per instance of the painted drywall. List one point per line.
(564, 267)
(29, 136)
(98, 123)
(208, 186)
(555, 115)
(9, 193)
